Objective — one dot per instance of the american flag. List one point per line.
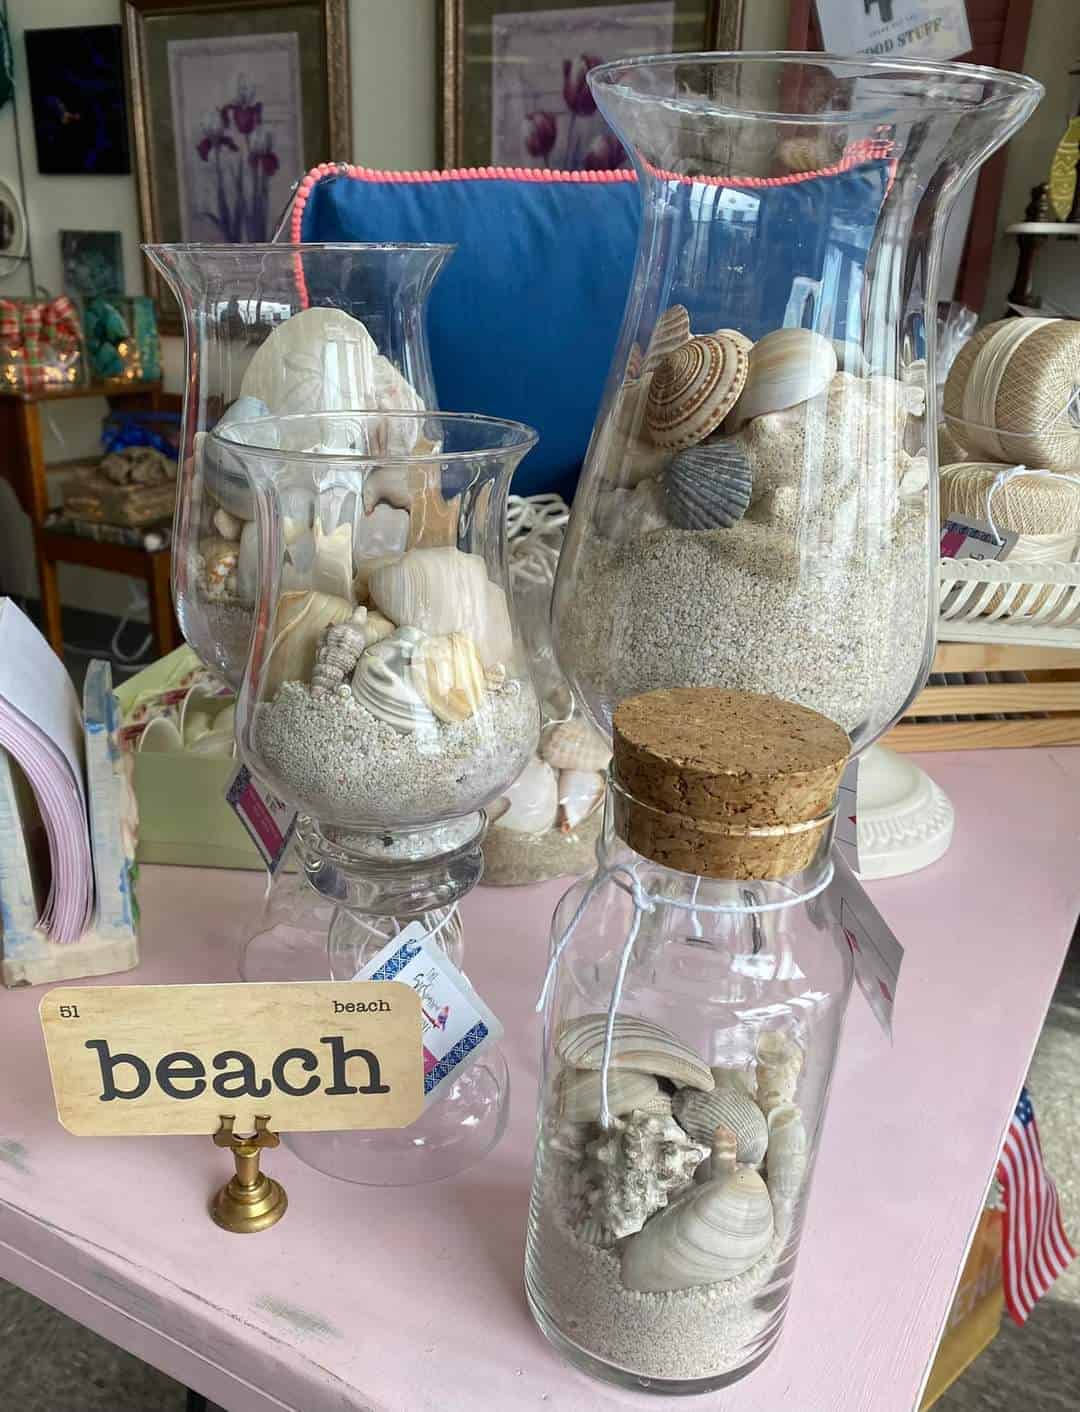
(1036, 1249)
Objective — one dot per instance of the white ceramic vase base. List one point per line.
(905, 820)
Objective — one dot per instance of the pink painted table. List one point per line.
(411, 1301)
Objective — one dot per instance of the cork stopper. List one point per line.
(725, 784)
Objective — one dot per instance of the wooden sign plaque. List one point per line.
(159, 1059)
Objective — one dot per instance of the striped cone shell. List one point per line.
(693, 390)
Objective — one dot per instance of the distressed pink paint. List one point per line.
(128, 1249)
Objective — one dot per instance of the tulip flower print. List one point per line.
(239, 150)
(540, 130)
(578, 99)
(604, 153)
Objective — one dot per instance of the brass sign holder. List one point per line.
(250, 1200)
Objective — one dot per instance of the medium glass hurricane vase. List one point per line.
(758, 508)
(277, 329)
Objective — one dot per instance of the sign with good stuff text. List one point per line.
(159, 1059)
(890, 29)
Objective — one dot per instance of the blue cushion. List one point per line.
(524, 317)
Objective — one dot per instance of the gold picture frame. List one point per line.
(467, 58)
(184, 58)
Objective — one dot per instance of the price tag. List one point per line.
(457, 1025)
(964, 538)
(847, 825)
(311, 1055)
(269, 821)
(875, 950)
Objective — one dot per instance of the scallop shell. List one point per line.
(693, 390)
(532, 800)
(581, 792)
(443, 590)
(787, 367)
(708, 486)
(447, 674)
(578, 1093)
(381, 683)
(779, 1063)
(575, 745)
(636, 1044)
(714, 1232)
(671, 331)
(299, 624)
(338, 652)
(731, 1107)
(630, 1171)
(787, 1157)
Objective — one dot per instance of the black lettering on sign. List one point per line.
(181, 1067)
(109, 1062)
(306, 1060)
(341, 1059)
(242, 1082)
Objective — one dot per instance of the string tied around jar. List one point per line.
(1008, 473)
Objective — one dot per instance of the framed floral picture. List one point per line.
(232, 101)
(514, 91)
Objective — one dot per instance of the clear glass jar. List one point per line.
(657, 1257)
(278, 329)
(757, 508)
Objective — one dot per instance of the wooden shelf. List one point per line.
(117, 387)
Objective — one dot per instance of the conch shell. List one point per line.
(630, 1172)
(447, 674)
(299, 624)
(341, 647)
(444, 590)
(716, 1231)
(637, 1044)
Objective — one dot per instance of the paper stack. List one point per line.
(65, 885)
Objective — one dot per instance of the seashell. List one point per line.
(732, 1107)
(741, 1078)
(575, 745)
(581, 792)
(634, 361)
(736, 336)
(693, 390)
(671, 331)
(332, 562)
(570, 1138)
(787, 367)
(637, 1044)
(533, 800)
(708, 486)
(786, 1163)
(338, 652)
(384, 530)
(725, 1151)
(578, 1093)
(219, 558)
(631, 1170)
(228, 526)
(224, 476)
(320, 358)
(495, 676)
(443, 590)
(713, 1232)
(447, 675)
(381, 683)
(299, 623)
(377, 626)
(779, 1063)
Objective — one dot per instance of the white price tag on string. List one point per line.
(875, 950)
(965, 538)
(269, 821)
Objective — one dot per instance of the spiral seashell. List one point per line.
(631, 1170)
(636, 1044)
(671, 331)
(575, 745)
(731, 1107)
(713, 1232)
(788, 1144)
(736, 336)
(578, 1093)
(693, 390)
(708, 486)
(447, 675)
(787, 367)
(338, 652)
(380, 683)
(779, 1064)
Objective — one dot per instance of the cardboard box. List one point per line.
(975, 1316)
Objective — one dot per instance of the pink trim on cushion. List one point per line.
(865, 150)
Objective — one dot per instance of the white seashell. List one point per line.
(631, 1170)
(447, 675)
(637, 1044)
(570, 1138)
(533, 800)
(247, 563)
(332, 563)
(317, 360)
(575, 745)
(381, 683)
(731, 1107)
(228, 526)
(581, 792)
(578, 1093)
(384, 531)
(299, 623)
(725, 1151)
(443, 590)
(377, 626)
(779, 1063)
(495, 676)
(788, 1144)
(742, 1078)
(713, 1232)
(787, 367)
(224, 475)
(338, 652)
(219, 558)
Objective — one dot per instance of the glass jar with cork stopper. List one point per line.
(693, 1007)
